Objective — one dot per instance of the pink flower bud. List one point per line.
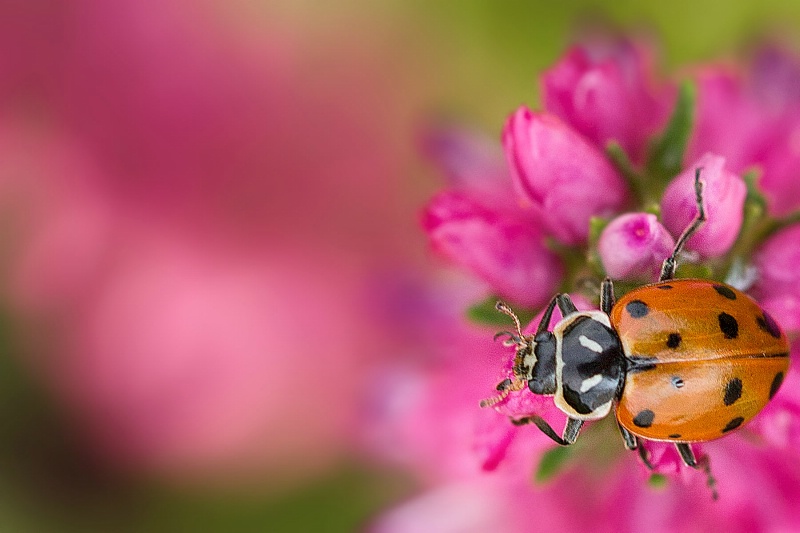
(607, 91)
(723, 199)
(559, 171)
(633, 246)
(507, 254)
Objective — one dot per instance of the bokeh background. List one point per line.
(209, 241)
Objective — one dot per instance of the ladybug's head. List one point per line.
(534, 362)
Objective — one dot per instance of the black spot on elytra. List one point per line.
(776, 384)
(725, 291)
(674, 340)
(644, 419)
(733, 391)
(768, 324)
(728, 325)
(637, 308)
(664, 287)
(675, 436)
(733, 424)
(677, 382)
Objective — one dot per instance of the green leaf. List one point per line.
(657, 481)
(485, 313)
(756, 226)
(696, 270)
(754, 196)
(596, 227)
(666, 154)
(623, 163)
(553, 461)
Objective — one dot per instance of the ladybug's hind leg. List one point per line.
(670, 263)
(703, 464)
(571, 430)
(632, 443)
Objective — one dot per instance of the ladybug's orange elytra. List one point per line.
(708, 359)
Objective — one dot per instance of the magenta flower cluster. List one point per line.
(600, 183)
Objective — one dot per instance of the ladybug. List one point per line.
(680, 360)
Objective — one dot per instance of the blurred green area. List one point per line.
(481, 59)
(489, 53)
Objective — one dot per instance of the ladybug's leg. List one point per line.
(669, 265)
(632, 443)
(703, 464)
(571, 430)
(607, 298)
(544, 323)
(565, 304)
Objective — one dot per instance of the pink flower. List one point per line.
(754, 121)
(728, 120)
(779, 423)
(777, 259)
(608, 91)
(774, 73)
(723, 198)
(561, 173)
(508, 254)
(633, 246)
(778, 285)
(479, 505)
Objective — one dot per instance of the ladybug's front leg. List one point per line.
(571, 430)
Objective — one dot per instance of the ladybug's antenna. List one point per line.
(508, 386)
(505, 387)
(506, 310)
(670, 263)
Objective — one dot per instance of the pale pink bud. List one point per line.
(607, 91)
(633, 246)
(506, 253)
(723, 198)
(558, 170)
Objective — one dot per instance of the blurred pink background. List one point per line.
(197, 198)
